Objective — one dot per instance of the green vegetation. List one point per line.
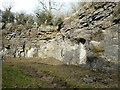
(44, 18)
(45, 12)
(16, 78)
(24, 19)
(46, 73)
(98, 51)
(58, 21)
(28, 26)
(8, 16)
(21, 19)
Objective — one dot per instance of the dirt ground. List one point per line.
(55, 74)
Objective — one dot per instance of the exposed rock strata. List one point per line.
(89, 36)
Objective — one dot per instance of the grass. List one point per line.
(27, 73)
(16, 78)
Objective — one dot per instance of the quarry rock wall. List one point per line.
(89, 36)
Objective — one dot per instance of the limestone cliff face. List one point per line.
(98, 25)
(89, 36)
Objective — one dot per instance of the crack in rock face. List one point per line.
(85, 37)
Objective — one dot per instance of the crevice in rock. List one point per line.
(116, 21)
(60, 26)
(8, 47)
(80, 40)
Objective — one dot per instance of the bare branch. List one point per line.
(43, 5)
(7, 5)
(50, 5)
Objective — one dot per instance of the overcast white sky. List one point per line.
(28, 6)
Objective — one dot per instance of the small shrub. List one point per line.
(98, 51)
(8, 16)
(29, 26)
(44, 18)
(58, 21)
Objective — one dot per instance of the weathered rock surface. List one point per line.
(88, 79)
(89, 36)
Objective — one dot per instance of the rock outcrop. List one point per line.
(89, 36)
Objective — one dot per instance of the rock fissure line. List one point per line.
(88, 36)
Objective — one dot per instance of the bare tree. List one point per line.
(8, 16)
(9, 5)
(45, 13)
(49, 5)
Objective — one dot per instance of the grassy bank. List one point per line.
(38, 73)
